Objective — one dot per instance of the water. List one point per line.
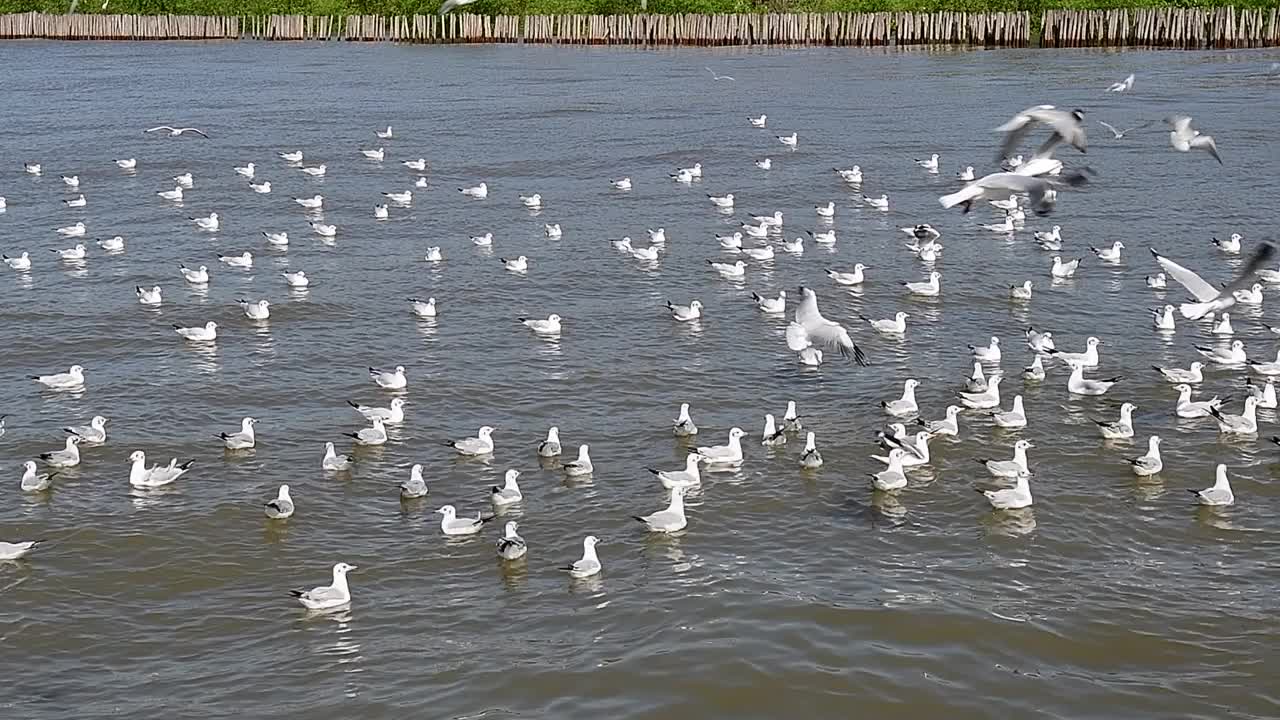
(1108, 598)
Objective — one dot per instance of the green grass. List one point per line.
(602, 7)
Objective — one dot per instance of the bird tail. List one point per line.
(354, 405)
(965, 194)
(656, 472)
(449, 443)
(1194, 311)
(297, 593)
(1215, 412)
(352, 435)
(638, 518)
(1115, 379)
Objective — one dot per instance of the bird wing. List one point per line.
(1260, 257)
(1206, 143)
(158, 128)
(1196, 285)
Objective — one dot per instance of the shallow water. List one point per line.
(1108, 598)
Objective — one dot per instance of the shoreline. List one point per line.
(1159, 27)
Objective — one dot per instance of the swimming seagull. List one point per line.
(174, 194)
(16, 550)
(424, 309)
(928, 288)
(728, 454)
(671, 519)
(721, 201)
(293, 156)
(1077, 385)
(1062, 270)
(881, 203)
(371, 436)
(478, 191)
(511, 546)
(72, 378)
(685, 313)
(393, 415)
(985, 400)
(1157, 282)
(1163, 318)
(210, 223)
(758, 122)
(1186, 408)
(1034, 371)
(206, 333)
(509, 493)
(906, 405)
(324, 230)
(334, 461)
(827, 211)
(1148, 464)
(931, 164)
(243, 260)
(1110, 255)
(1231, 245)
(328, 597)
(1185, 139)
(95, 432)
(531, 201)
(112, 244)
(796, 247)
(1121, 429)
(74, 253)
(687, 478)
(516, 265)
(771, 305)
(552, 231)
(788, 140)
(1014, 498)
(415, 487)
(821, 331)
(157, 475)
(989, 353)
(590, 563)
(1265, 368)
(127, 164)
(623, 184)
(1220, 493)
(485, 240)
(1234, 355)
(69, 456)
(1088, 358)
(732, 270)
(810, 458)
(1124, 85)
(1244, 424)
(949, 424)
(175, 132)
(21, 262)
(33, 481)
(582, 465)
(76, 202)
(375, 155)
(282, 507)
(1178, 376)
(316, 171)
(296, 279)
(434, 254)
(772, 436)
(482, 444)
(418, 165)
(550, 326)
(454, 526)
(852, 176)
(551, 446)
(1266, 397)
(394, 380)
(966, 175)
(893, 477)
(1011, 468)
(1015, 418)
(977, 381)
(384, 134)
(1020, 292)
(246, 170)
(242, 440)
(683, 425)
(72, 230)
(280, 239)
(312, 203)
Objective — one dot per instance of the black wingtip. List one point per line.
(655, 472)
(187, 465)
(297, 593)
(354, 405)
(1193, 492)
(637, 518)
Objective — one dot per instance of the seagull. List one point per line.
(977, 381)
(826, 211)
(206, 333)
(788, 140)
(553, 231)
(893, 477)
(550, 326)
(1220, 493)
(415, 487)
(582, 465)
(915, 452)
(796, 247)
(15, 551)
(733, 270)
(243, 260)
(880, 203)
(1121, 133)
(1184, 139)
(689, 477)
(1265, 368)
(928, 288)
(312, 203)
(1164, 318)
(1050, 239)
(1231, 245)
(1124, 85)
(1011, 468)
(1121, 429)
(985, 400)
(76, 202)
(623, 184)
(174, 194)
(721, 201)
(511, 546)
(1110, 255)
(1235, 355)
(852, 176)
(827, 237)
(550, 447)
(371, 436)
(384, 134)
(728, 454)
(758, 122)
(434, 254)
(1157, 282)
(478, 191)
(262, 188)
(424, 309)
(175, 132)
(69, 456)
(72, 230)
(1149, 464)
(454, 526)
(328, 597)
(764, 253)
(848, 278)
(418, 165)
(72, 378)
(421, 182)
(209, 223)
(1266, 397)
(296, 279)
(509, 493)
(1186, 408)
(810, 458)
(685, 313)
(966, 175)
(1034, 371)
(906, 405)
(294, 156)
(717, 77)
(71, 181)
(1014, 498)
(683, 425)
(157, 475)
(896, 326)
(334, 461)
(32, 168)
(394, 380)
(1088, 358)
(1243, 424)
(282, 507)
(316, 171)
(1249, 296)
(988, 353)
(375, 155)
(771, 305)
(482, 444)
(531, 201)
(589, 564)
(931, 164)
(1061, 270)
(1015, 418)
(1179, 376)
(1077, 385)
(246, 170)
(669, 520)
(73, 253)
(949, 424)
(33, 481)
(1041, 191)
(95, 432)
(516, 265)
(393, 415)
(1222, 326)
(380, 212)
(771, 436)
(485, 240)
(1020, 292)
(21, 262)
(1067, 127)
(821, 331)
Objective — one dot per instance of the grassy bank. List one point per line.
(601, 7)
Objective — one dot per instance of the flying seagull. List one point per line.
(451, 4)
(1185, 139)
(715, 76)
(1209, 298)
(1067, 127)
(175, 132)
(1121, 133)
(1041, 191)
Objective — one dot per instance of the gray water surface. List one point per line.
(790, 592)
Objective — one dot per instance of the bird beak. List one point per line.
(352, 567)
